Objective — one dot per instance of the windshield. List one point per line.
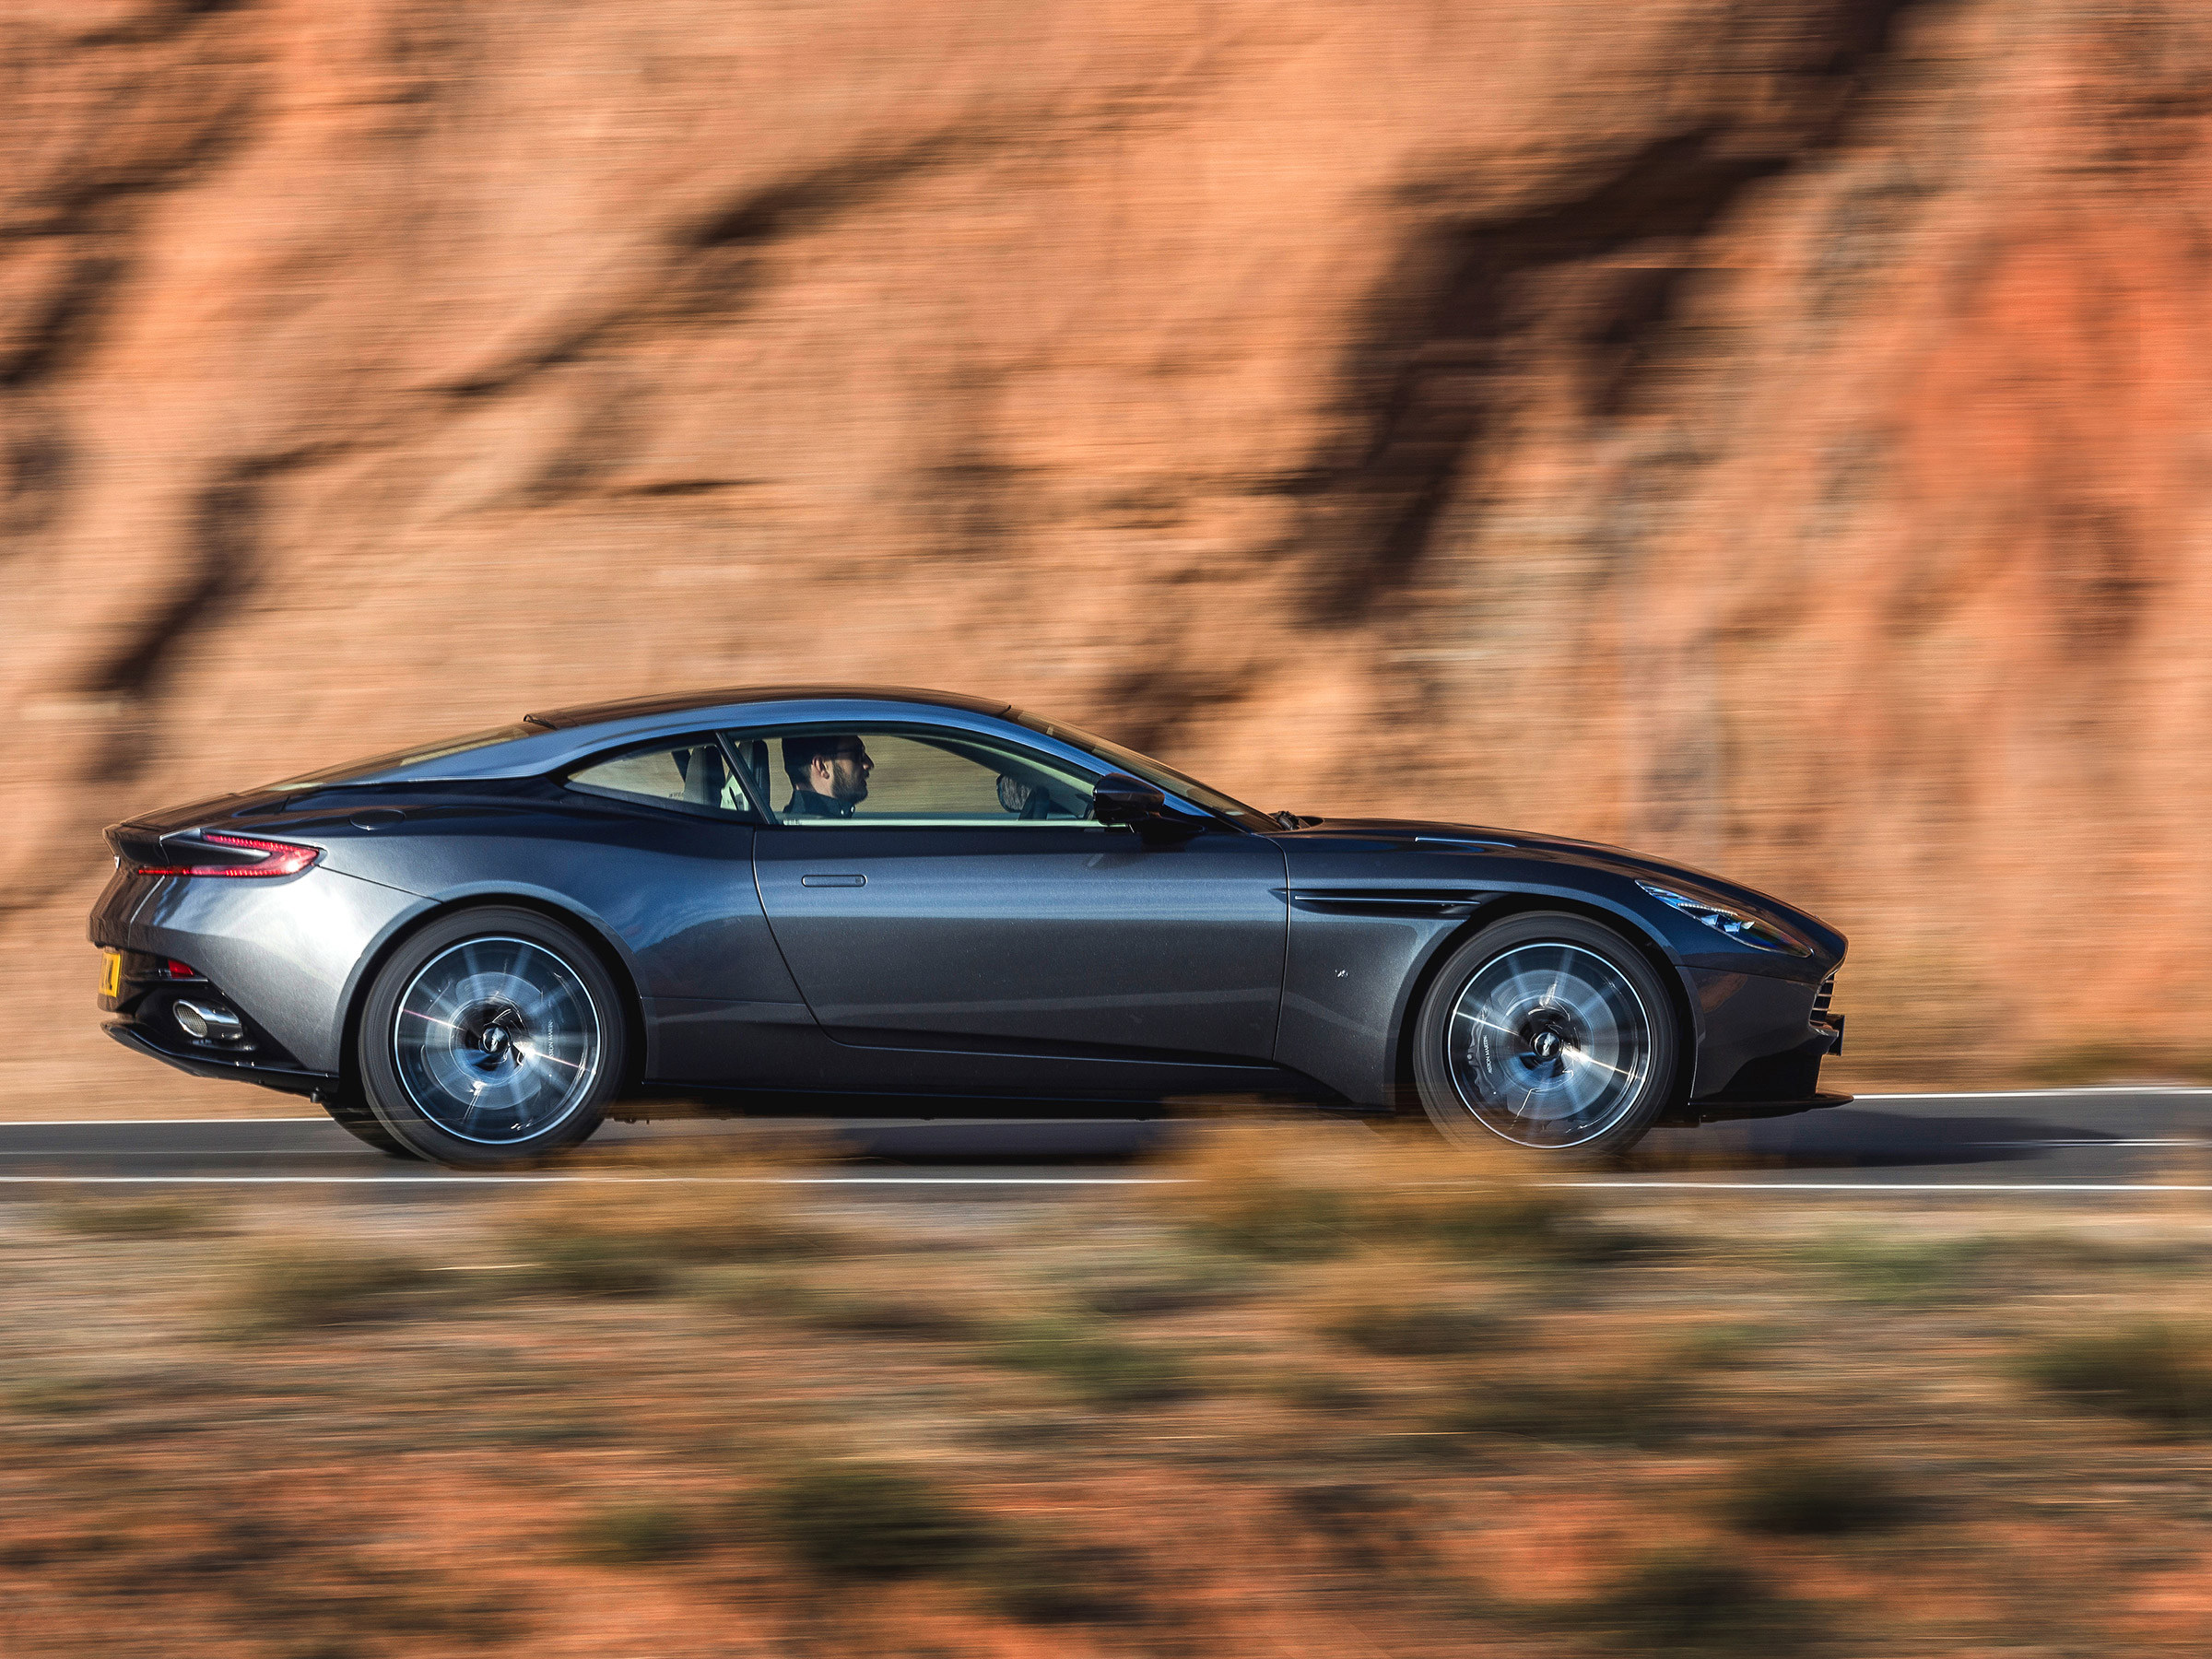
(1152, 772)
(411, 757)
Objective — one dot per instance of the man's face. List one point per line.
(844, 776)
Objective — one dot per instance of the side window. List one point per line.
(890, 777)
(690, 776)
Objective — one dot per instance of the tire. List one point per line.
(1550, 1033)
(494, 1036)
(351, 1114)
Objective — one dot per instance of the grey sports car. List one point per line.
(477, 950)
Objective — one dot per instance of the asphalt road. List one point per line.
(2110, 1141)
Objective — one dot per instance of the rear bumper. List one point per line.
(285, 953)
(202, 1063)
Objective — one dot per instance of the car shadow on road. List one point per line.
(1847, 1137)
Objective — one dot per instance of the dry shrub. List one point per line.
(1307, 1194)
(627, 1234)
(2156, 1373)
(170, 1216)
(55, 1396)
(1900, 1270)
(310, 1284)
(1046, 1581)
(1418, 1332)
(1693, 1602)
(871, 1521)
(1815, 1494)
(1610, 1410)
(1094, 1363)
(635, 1535)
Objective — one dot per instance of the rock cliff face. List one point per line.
(1770, 434)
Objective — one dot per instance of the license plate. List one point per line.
(111, 974)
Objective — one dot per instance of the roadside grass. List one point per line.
(1619, 1410)
(635, 1535)
(638, 1238)
(1432, 1436)
(1813, 1493)
(867, 1521)
(2085, 1065)
(1092, 1362)
(1041, 1581)
(1260, 1194)
(1692, 1601)
(55, 1395)
(2157, 1373)
(870, 1519)
(166, 1217)
(1899, 1270)
(282, 1288)
(1170, 1284)
(1416, 1332)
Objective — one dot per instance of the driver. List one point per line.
(829, 774)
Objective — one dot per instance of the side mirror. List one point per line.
(1118, 798)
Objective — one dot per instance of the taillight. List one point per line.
(270, 858)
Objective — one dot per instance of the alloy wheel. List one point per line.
(497, 1039)
(1550, 1045)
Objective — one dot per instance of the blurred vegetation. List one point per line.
(312, 1282)
(1096, 1364)
(1452, 1415)
(166, 1217)
(2154, 1373)
(1811, 1494)
(635, 1535)
(1694, 1602)
(871, 1521)
(2103, 1062)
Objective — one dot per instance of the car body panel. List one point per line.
(1374, 902)
(1053, 959)
(286, 952)
(1031, 936)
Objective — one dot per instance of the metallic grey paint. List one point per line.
(1083, 962)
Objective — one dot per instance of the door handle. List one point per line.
(833, 881)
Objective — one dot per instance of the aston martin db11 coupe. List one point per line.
(477, 950)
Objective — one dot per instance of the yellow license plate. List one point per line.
(111, 974)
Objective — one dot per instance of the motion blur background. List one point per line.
(1770, 434)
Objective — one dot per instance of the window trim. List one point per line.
(750, 814)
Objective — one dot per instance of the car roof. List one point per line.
(545, 742)
(583, 714)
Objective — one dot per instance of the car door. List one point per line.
(967, 901)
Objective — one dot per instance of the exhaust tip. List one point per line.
(208, 1022)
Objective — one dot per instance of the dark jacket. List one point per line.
(805, 803)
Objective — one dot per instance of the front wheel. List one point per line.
(1549, 1033)
(492, 1036)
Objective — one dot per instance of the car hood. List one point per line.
(1510, 854)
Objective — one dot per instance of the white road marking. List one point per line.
(79, 1122)
(1887, 1186)
(2046, 1094)
(2094, 1141)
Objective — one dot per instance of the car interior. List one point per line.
(916, 778)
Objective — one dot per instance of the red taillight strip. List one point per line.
(278, 858)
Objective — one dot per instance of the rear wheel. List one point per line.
(494, 1036)
(1549, 1033)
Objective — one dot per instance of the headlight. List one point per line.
(1743, 928)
